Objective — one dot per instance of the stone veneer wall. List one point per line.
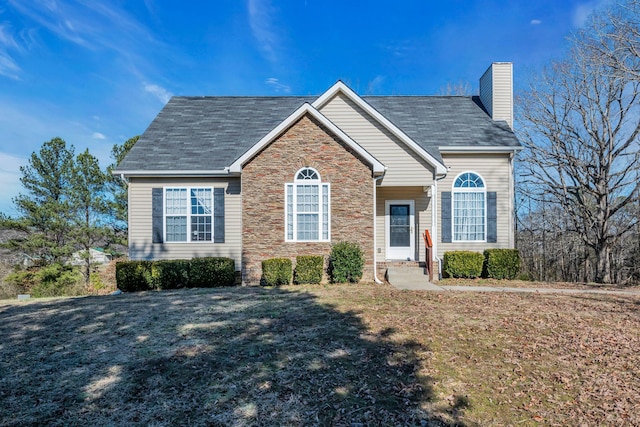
(305, 143)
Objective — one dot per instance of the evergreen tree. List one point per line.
(89, 204)
(44, 207)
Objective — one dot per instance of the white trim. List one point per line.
(412, 235)
(305, 108)
(188, 215)
(482, 190)
(320, 185)
(473, 150)
(341, 87)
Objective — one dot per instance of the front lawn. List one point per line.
(321, 355)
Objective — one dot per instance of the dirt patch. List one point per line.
(321, 355)
(493, 283)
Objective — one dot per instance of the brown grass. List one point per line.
(324, 355)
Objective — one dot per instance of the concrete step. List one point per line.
(411, 278)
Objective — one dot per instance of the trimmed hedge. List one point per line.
(308, 269)
(501, 263)
(212, 272)
(132, 276)
(346, 263)
(172, 274)
(463, 264)
(276, 272)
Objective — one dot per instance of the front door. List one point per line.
(399, 219)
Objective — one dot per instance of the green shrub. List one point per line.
(173, 274)
(464, 264)
(58, 280)
(276, 272)
(23, 280)
(133, 276)
(308, 269)
(346, 263)
(96, 281)
(207, 272)
(212, 272)
(53, 280)
(501, 263)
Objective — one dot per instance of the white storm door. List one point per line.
(400, 233)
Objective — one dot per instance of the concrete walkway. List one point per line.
(414, 280)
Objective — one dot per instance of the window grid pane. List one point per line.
(176, 229)
(201, 201)
(307, 227)
(468, 216)
(307, 198)
(200, 228)
(176, 201)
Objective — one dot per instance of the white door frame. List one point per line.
(400, 253)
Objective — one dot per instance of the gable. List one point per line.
(404, 166)
(307, 109)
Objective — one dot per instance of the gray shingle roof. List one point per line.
(444, 121)
(209, 133)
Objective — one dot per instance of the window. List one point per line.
(469, 201)
(307, 215)
(188, 209)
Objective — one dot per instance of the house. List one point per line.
(252, 178)
(97, 256)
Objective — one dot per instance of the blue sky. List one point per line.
(95, 73)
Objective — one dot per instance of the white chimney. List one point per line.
(496, 91)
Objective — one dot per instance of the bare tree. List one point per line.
(580, 123)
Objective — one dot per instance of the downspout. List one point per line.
(375, 229)
(434, 221)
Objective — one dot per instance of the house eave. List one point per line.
(175, 173)
(478, 150)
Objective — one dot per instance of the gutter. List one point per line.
(375, 229)
(174, 173)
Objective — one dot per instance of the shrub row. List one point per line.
(132, 276)
(346, 264)
(493, 263)
(501, 263)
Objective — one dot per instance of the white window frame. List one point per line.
(321, 186)
(457, 190)
(189, 215)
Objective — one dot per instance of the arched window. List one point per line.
(469, 208)
(307, 208)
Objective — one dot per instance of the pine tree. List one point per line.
(44, 208)
(89, 204)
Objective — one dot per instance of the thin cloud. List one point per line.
(261, 22)
(582, 11)
(8, 66)
(400, 49)
(159, 92)
(10, 179)
(277, 86)
(93, 25)
(535, 22)
(98, 135)
(375, 84)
